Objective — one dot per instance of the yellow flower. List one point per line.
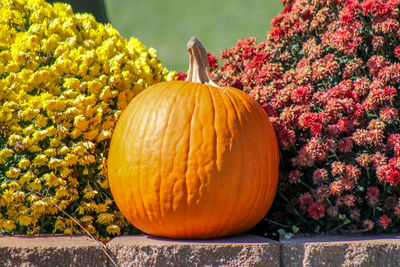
(14, 139)
(71, 159)
(113, 229)
(38, 136)
(101, 208)
(33, 197)
(90, 194)
(55, 142)
(13, 172)
(5, 153)
(13, 185)
(12, 67)
(51, 152)
(7, 224)
(51, 179)
(105, 218)
(24, 163)
(64, 172)
(108, 124)
(63, 150)
(76, 133)
(61, 192)
(39, 207)
(25, 220)
(87, 159)
(68, 231)
(51, 131)
(80, 209)
(35, 185)
(8, 195)
(28, 176)
(34, 148)
(55, 163)
(59, 225)
(29, 130)
(81, 123)
(91, 135)
(103, 184)
(40, 160)
(64, 79)
(87, 219)
(94, 87)
(103, 135)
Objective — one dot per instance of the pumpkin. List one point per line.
(191, 160)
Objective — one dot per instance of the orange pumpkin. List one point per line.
(191, 160)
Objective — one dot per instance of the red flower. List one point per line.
(375, 64)
(363, 159)
(388, 114)
(372, 192)
(352, 172)
(378, 159)
(330, 84)
(336, 187)
(316, 129)
(385, 221)
(308, 119)
(295, 176)
(258, 61)
(304, 200)
(393, 139)
(320, 176)
(301, 94)
(393, 177)
(278, 33)
(286, 137)
(181, 76)
(316, 210)
(348, 183)
(345, 145)
(349, 200)
(346, 19)
(337, 168)
(397, 52)
(212, 61)
(368, 225)
(288, 8)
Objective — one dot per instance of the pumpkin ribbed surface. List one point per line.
(189, 160)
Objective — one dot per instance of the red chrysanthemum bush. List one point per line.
(329, 77)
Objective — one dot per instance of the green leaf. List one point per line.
(288, 236)
(282, 232)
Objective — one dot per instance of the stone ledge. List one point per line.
(50, 250)
(371, 250)
(244, 250)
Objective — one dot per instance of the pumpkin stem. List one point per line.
(198, 63)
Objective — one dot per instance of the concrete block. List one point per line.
(50, 250)
(382, 250)
(243, 250)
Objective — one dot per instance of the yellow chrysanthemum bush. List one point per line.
(64, 79)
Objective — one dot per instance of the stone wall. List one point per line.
(244, 250)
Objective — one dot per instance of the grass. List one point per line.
(167, 26)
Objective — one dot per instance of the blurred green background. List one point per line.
(168, 25)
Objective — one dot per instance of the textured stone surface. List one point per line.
(244, 250)
(383, 250)
(51, 250)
